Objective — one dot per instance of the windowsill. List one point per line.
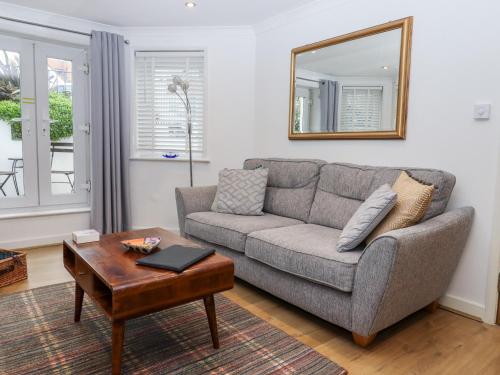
(42, 211)
(183, 160)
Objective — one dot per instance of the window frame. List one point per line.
(151, 155)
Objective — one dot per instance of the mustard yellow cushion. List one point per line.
(413, 200)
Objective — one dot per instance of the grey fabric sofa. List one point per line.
(290, 250)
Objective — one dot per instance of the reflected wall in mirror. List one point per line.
(352, 87)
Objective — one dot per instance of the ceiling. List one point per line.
(360, 57)
(126, 13)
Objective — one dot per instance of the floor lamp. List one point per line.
(178, 82)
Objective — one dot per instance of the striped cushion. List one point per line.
(414, 198)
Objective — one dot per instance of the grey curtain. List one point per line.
(328, 105)
(110, 134)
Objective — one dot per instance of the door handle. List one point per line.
(47, 121)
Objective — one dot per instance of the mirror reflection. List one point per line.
(348, 87)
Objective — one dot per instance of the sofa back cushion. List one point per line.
(343, 187)
(291, 185)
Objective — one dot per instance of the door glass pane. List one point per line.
(61, 126)
(11, 145)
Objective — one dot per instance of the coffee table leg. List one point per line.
(79, 293)
(212, 319)
(118, 333)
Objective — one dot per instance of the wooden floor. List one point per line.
(439, 343)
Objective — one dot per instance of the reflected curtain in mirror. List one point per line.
(328, 105)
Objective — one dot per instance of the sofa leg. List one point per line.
(432, 307)
(363, 341)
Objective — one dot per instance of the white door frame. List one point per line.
(490, 313)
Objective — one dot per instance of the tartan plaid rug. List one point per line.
(38, 336)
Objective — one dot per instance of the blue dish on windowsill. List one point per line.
(170, 155)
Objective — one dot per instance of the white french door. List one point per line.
(62, 154)
(44, 128)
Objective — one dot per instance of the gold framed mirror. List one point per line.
(354, 86)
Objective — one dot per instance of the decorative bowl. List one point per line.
(142, 245)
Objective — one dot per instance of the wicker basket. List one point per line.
(12, 267)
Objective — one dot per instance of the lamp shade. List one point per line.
(172, 88)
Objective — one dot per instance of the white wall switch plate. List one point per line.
(482, 111)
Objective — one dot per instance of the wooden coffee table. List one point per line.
(107, 272)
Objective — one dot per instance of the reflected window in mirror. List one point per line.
(361, 109)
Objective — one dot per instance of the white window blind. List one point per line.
(160, 115)
(361, 108)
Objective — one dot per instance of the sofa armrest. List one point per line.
(193, 199)
(404, 270)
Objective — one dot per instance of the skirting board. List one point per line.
(35, 242)
(461, 305)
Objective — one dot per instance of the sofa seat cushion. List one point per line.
(231, 230)
(308, 251)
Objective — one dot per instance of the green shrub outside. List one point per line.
(60, 110)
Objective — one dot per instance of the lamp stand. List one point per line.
(184, 85)
(190, 151)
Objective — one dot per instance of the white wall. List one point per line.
(454, 54)
(49, 228)
(230, 54)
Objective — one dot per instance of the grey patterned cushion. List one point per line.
(241, 191)
(366, 218)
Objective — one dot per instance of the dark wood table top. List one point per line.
(116, 267)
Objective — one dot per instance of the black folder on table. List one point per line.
(175, 258)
